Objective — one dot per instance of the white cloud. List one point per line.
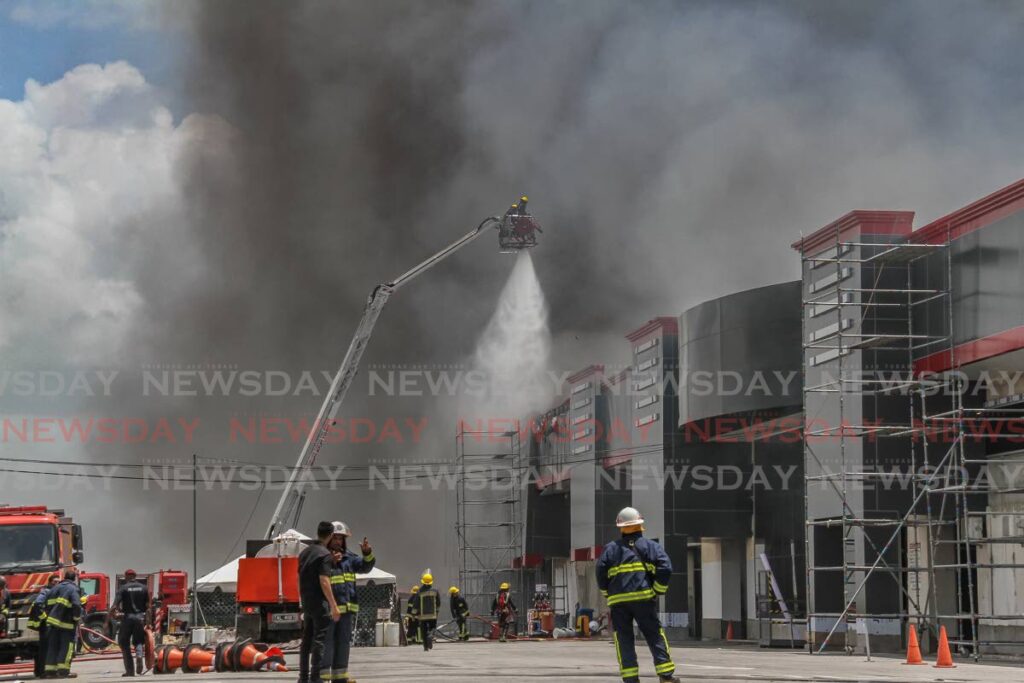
(89, 166)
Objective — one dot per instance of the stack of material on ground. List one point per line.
(239, 655)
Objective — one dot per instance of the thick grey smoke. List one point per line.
(671, 150)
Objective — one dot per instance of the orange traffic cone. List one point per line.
(728, 632)
(167, 659)
(173, 658)
(275, 659)
(249, 657)
(913, 648)
(945, 659)
(196, 660)
(223, 658)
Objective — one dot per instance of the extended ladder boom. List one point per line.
(288, 505)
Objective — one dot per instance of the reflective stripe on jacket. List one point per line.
(64, 606)
(428, 604)
(632, 569)
(343, 579)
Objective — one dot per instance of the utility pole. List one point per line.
(195, 554)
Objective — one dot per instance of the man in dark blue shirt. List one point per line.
(319, 608)
(132, 602)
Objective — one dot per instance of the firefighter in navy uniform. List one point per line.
(37, 622)
(504, 610)
(428, 606)
(460, 611)
(132, 602)
(412, 627)
(631, 573)
(334, 665)
(5, 605)
(63, 612)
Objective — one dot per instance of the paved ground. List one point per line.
(586, 662)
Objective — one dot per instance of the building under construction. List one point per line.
(827, 461)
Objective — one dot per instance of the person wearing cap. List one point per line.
(37, 622)
(504, 609)
(334, 665)
(428, 606)
(132, 603)
(412, 628)
(319, 608)
(63, 612)
(632, 573)
(460, 611)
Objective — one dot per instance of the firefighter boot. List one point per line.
(670, 679)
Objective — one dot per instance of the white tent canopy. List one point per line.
(378, 576)
(289, 543)
(224, 578)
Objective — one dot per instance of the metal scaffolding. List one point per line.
(490, 524)
(936, 540)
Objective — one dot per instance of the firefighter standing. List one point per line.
(412, 629)
(428, 606)
(63, 612)
(632, 572)
(460, 611)
(5, 605)
(319, 609)
(37, 622)
(132, 602)
(505, 611)
(334, 666)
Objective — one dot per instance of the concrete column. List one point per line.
(722, 569)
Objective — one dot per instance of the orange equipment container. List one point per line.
(259, 581)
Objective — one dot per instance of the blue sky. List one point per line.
(45, 50)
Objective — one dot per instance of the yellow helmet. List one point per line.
(427, 579)
(453, 590)
(524, 198)
(415, 590)
(504, 586)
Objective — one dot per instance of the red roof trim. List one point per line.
(663, 323)
(974, 216)
(854, 224)
(973, 351)
(617, 459)
(586, 372)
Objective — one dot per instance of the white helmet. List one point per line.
(629, 517)
(341, 529)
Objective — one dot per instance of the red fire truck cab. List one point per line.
(35, 544)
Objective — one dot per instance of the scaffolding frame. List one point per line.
(939, 504)
(490, 522)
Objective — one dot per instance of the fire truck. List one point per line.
(169, 605)
(268, 590)
(35, 544)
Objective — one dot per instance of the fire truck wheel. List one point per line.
(100, 624)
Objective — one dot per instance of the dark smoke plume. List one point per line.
(672, 150)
